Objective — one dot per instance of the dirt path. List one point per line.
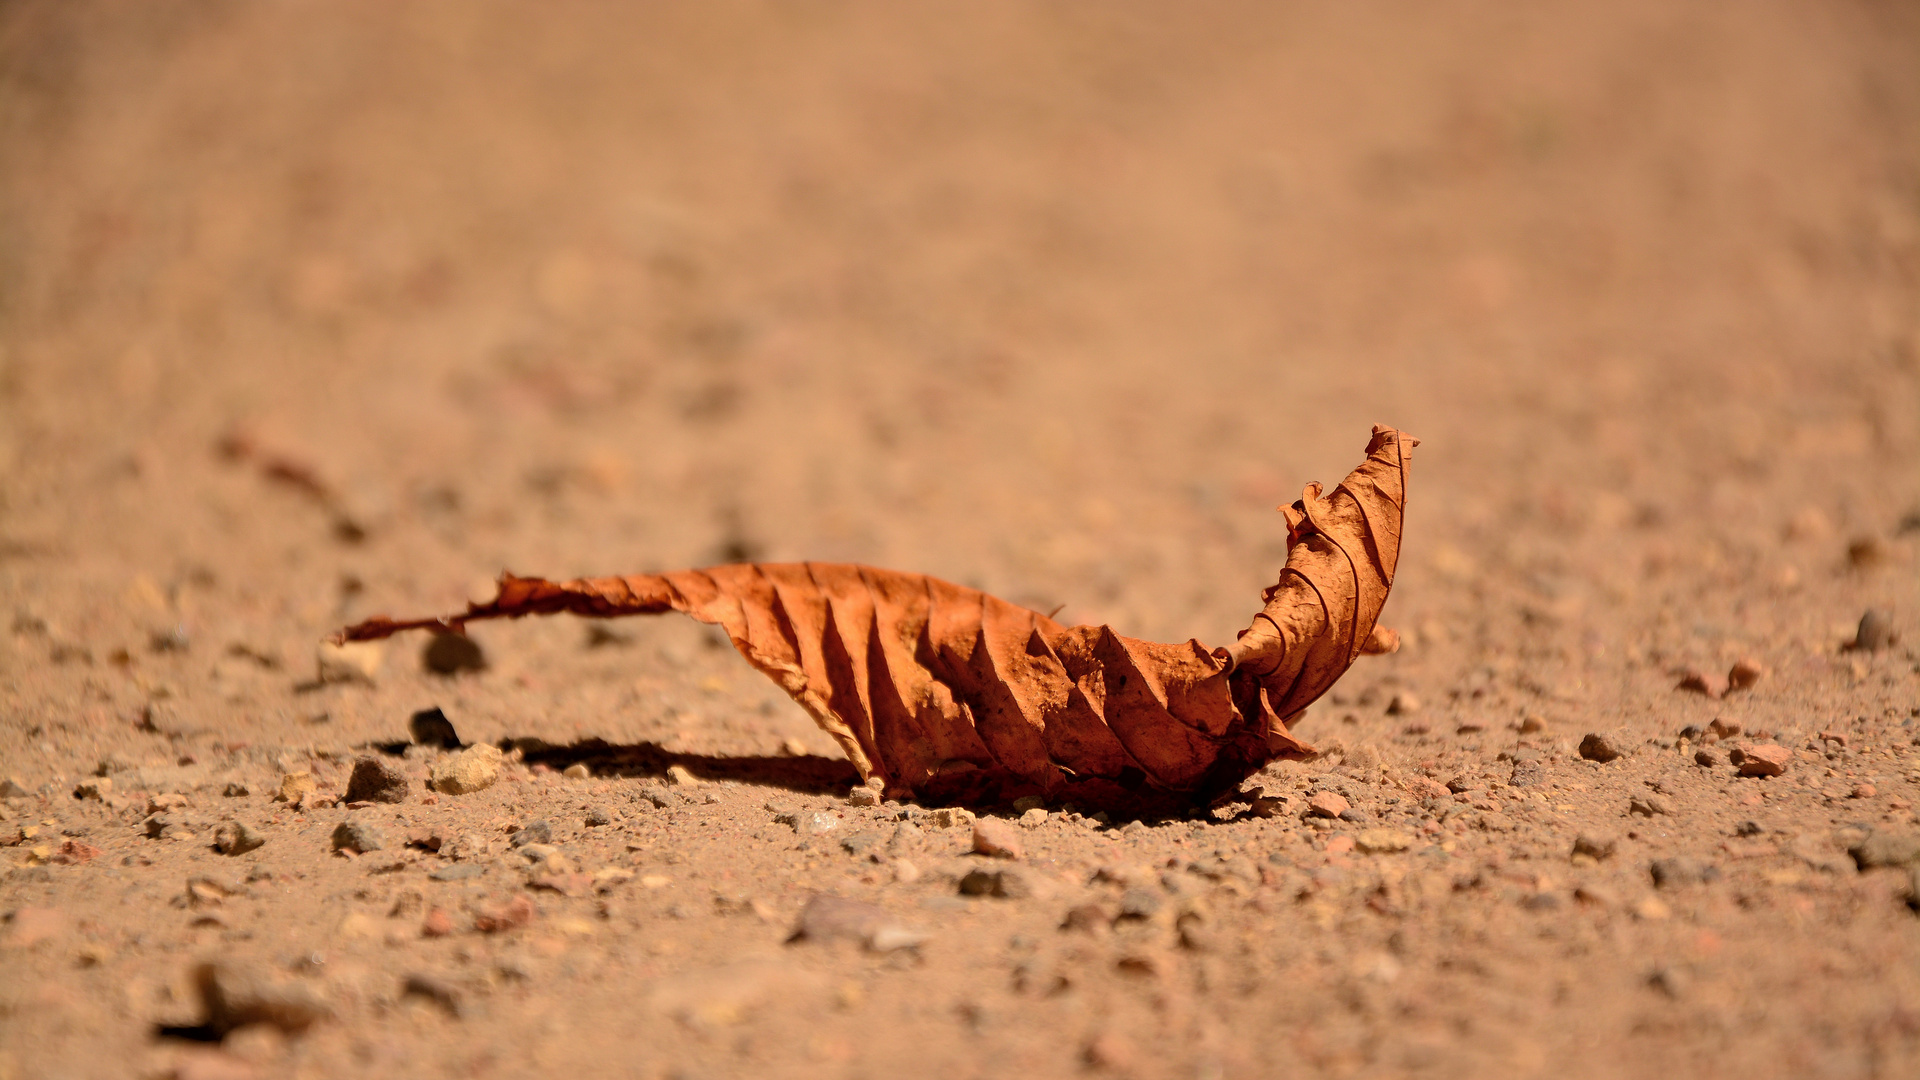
(311, 312)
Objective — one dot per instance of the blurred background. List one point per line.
(311, 310)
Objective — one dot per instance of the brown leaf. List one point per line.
(949, 694)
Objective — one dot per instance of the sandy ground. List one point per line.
(312, 311)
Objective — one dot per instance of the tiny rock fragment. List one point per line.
(1327, 804)
(1702, 682)
(1766, 759)
(474, 769)
(376, 780)
(577, 771)
(359, 836)
(294, 786)
(352, 661)
(1707, 759)
(1265, 806)
(237, 838)
(512, 915)
(832, 918)
(1602, 746)
(1839, 737)
(1744, 673)
(234, 998)
(1680, 870)
(236, 789)
(1724, 728)
(1875, 631)
(538, 831)
(1088, 919)
(680, 776)
(863, 796)
(1528, 774)
(1863, 791)
(948, 817)
(596, 816)
(433, 990)
(1028, 802)
(1404, 703)
(1425, 787)
(97, 788)
(1648, 806)
(1532, 724)
(75, 853)
(430, 727)
(1382, 841)
(1009, 884)
(1034, 818)
(451, 654)
(12, 788)
(1595, 846)
(793, 747)
(996, 839)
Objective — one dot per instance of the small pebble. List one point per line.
(237, 838)
(947, 817)
(237, 789)
(294, 786)
(597, 815)
(1745, 673)
(1702, 682)
(538, 831)
(1680, 870)
(1602, 746)
(437, 923)
(1403, 704)
(863, 796)
(376, 780)
(680, 776)
(1863, 791)
(1766, 759)
(996, 839)
(1705, 758)
(359, 836)
(1037, 817)
(1595, 845)
(1875, 631)
(430, 727)
(474, 769)
(577, 771)
(1648, 806)
(451, 654)
(95, 788)
(1724, 728)
(1327, 804)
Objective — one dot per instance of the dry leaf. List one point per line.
(946, 693)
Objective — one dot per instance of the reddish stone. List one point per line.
(996, 838)
(1327, 804)
(1766, 759)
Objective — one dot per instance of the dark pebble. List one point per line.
(451, 654)
(1875, 631)
(1601, 746)
(430, 727)
(376, 780)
